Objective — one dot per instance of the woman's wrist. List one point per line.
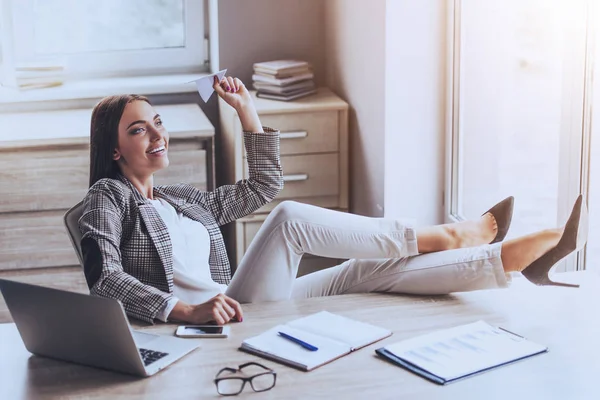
(181, 311)
(249, 119)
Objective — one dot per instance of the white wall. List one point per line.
(415, 109)
(355, 65)
(261, 30)
(387, 59)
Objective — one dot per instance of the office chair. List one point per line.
(71, 220)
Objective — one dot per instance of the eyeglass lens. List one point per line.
(230, 386)
(263, 382)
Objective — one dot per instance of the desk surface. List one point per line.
(564, 319)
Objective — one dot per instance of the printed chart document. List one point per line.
(455, 353)
(333, 335)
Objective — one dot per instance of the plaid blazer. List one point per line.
(126, 246)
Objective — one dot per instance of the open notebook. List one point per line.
(451, 354)
(333, 335)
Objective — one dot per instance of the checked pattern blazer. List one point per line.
(126, 246)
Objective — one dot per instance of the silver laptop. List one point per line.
(87, 330)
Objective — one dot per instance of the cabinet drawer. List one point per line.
(250, 229)
(314, 132)
(57, 178)
(308, 175)
(34, 240)
(247, 230)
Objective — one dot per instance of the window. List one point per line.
(107, 38)
(517, 112)
(592, 258)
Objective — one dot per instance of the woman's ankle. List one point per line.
(433, 238)
(472, 233)
(517, 254)
(457, 235)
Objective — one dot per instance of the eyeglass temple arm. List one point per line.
(254, 363)
(226, 369)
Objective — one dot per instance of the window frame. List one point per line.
(575, 126)
(17, 47)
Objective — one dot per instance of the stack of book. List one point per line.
(38, 75)
(283, 79)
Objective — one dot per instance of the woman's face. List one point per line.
(143, 141)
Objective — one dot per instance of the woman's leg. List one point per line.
(460, 270)
(443, 272)
(270, 265)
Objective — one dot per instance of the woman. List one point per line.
(160, 252)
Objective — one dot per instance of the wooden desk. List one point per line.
(564, 319)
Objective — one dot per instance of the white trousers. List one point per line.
(383, 258)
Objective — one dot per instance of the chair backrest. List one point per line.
(71, 220)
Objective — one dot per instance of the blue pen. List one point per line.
(298, 341)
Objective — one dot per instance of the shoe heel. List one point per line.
(563, 284)
(548, 282)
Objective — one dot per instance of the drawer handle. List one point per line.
(295, 177)
(293, 135)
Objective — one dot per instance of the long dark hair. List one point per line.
(104, 134)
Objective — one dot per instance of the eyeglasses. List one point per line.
(260, 377)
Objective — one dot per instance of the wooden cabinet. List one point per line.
(44, 170)
(314, 158)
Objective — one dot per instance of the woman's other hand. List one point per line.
(220, 309)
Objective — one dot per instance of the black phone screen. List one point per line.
(199, 330)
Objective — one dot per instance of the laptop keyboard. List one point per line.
(149, 356)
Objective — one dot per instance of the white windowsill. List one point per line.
(98, 88)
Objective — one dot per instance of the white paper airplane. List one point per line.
(205, 84)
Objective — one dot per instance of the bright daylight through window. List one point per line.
(521, 74)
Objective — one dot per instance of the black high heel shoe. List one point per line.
(573, 239)
(502, 213)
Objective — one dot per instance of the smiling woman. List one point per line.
(159, 249)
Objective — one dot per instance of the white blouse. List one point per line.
(190, 240)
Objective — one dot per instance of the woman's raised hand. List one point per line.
(233, 91)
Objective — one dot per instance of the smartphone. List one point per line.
(202, 331)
